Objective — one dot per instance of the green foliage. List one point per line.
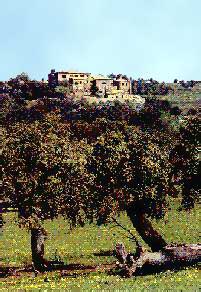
(96, 167)
(43, 171)
(65, 90)
(129, 168)
(22, 77)
(94, 89)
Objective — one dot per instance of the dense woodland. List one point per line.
(90, 162)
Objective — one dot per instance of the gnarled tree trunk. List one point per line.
(145, 228)
(37, 247)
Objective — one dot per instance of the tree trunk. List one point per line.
(145, 229)
(1, 219)
(37, 247)
(171, 257)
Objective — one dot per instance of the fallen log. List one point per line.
(143, 261)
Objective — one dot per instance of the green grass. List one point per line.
(184, 101)
(80, 245)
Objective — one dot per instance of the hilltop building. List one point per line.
(88, 84)
(56, 78)
(122, 83)
(104, 84)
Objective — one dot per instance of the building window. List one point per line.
(122, 84)
(82, 75)
(80, 82)
(126, 84)
(76, 75)
(76, 83)
(63, 76)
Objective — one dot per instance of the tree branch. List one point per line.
(124, 228)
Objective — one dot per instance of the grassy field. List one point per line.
(185, 101)
(84, 246)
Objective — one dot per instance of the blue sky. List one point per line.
(144, 38)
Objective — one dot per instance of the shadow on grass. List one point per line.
(7, 271)
(70, 270)
(104, 253)
(153, 270)
(77, 270)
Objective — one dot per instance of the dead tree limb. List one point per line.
(172, 256)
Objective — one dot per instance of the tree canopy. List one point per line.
(111, 161)
(91, 169)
